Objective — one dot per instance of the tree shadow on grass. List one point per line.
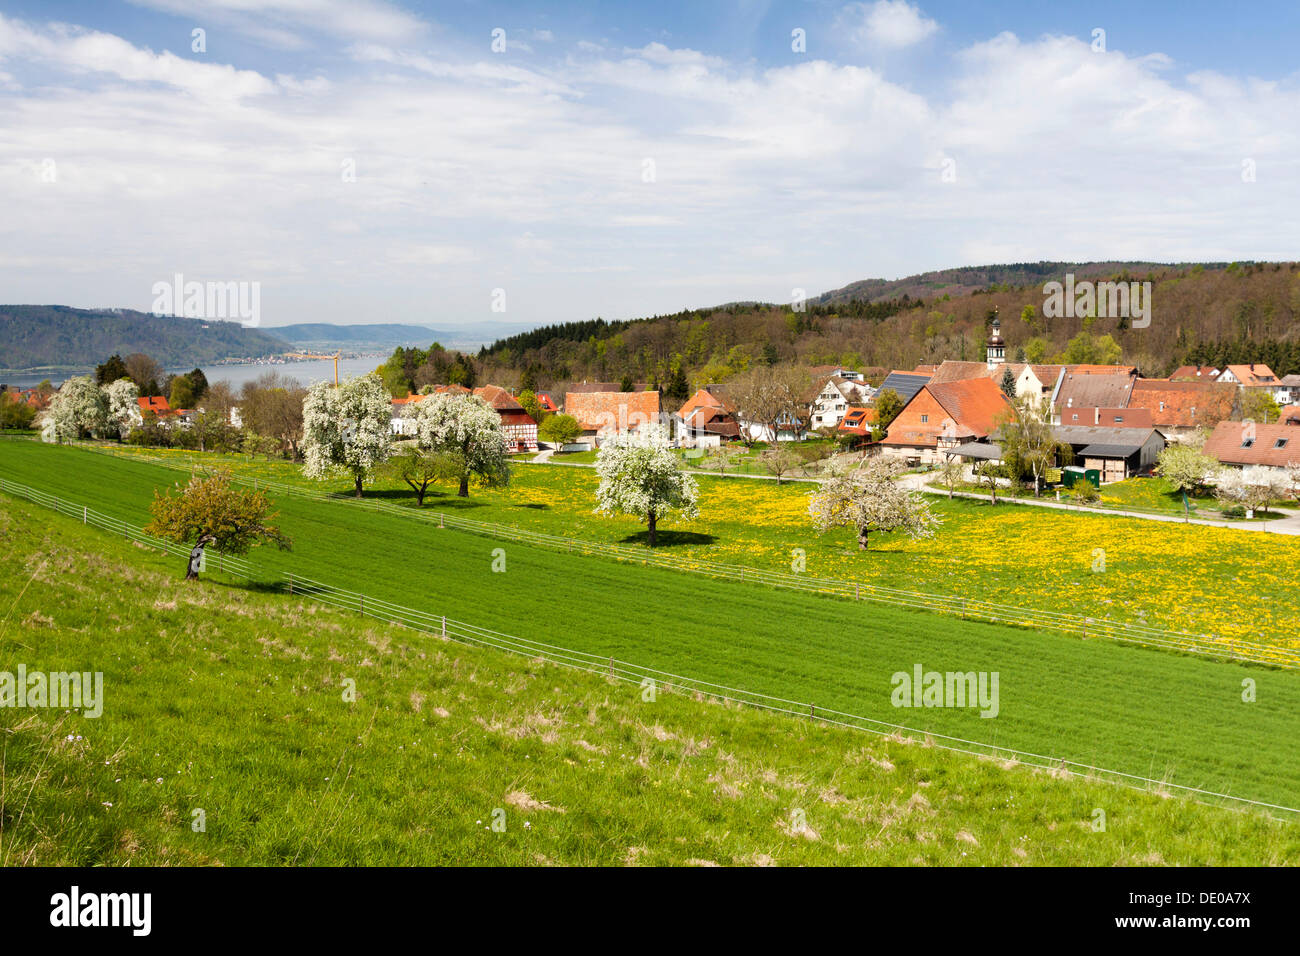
(670, 539)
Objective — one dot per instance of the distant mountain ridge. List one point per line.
(380, 335)
(37, 337)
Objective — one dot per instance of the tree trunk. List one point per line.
(197, 557)
(358, 479)
(652, 519)
(463, 491)
(862, 538)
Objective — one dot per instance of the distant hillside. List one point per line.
(968, 279)
(1202, 313)
(60, 337)
(380, 336)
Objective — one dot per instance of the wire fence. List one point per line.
(964, 608)
(462, 632)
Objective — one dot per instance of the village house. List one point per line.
(1088, 389)
(1116, 452)
(707, 419)
(403, 424)
(1246, 443)
(518, 426)
(829, 405)
(602, 414)
(1249, 376)
(941, 417)
(1181, 409)
(1287, 390)
(857, 423)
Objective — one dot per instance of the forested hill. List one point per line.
(968, 279)
(1205, 313)
(61, 337)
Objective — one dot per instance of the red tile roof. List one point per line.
(1194, 373)
(703, 398)
(1242, 443)
(156, 404)
(974, 404)
(857, 420)
(1183, 404)
(612, 411)
(1131, 417)
(498, 398)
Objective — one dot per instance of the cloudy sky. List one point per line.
(368, 161)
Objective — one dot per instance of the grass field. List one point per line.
(228, 700)
(1142, 712)
(1216, 581)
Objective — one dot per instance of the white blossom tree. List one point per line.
(869, 499)
(639, 476)
(1293, 479)
(466, 433)
(346, 429)
(1252, 487)
(78, 408)
(123, 409)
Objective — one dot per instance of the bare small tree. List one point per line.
(950, 473)
(780, 461)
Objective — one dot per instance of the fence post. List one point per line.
(611, 667)
(444, 627)
(856, 595)
(361, 601)
(439, 521)
(85, 512)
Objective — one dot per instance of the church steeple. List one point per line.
(996, 349)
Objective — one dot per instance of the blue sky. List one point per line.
(367, 161)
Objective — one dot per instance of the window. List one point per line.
(1280, 443)
(1249, 442)
(1119, 419)
(925, 419)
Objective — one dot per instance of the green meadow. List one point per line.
(226, 700)
(1225, 582)
(1148, 713)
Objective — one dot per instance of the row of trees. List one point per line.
(347, 431)
(1192, 472)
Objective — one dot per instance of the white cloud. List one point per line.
(281, 22)
(886, 23)
(88, 51)
(473, 172)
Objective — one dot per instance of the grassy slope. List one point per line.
(228, 699)
(1203, 580)
(1139, 711)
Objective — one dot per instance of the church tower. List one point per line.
(996, 349)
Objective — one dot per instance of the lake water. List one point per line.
(308, 373)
